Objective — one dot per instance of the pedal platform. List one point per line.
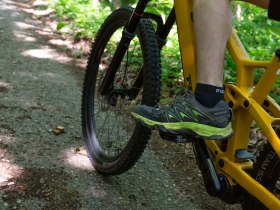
(243, 154)
(176, 138)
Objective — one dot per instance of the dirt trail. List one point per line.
(40, 89)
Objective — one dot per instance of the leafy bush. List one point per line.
(84, 17)
(258, 34)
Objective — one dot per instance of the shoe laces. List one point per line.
(181, 96)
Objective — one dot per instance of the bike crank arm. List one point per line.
(127, 35)
(210, 177)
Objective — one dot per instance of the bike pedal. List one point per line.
(243, 154)
(176, 138)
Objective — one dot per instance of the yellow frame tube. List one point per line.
(246, 100)
(183, 9)
(236, 172)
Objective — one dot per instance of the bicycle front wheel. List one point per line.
(114, 142)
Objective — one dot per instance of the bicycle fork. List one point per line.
(127, 35)
(162, 32)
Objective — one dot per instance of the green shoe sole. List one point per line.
(196, 129)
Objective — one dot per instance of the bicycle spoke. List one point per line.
(107, 127)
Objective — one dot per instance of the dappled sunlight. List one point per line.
(6, 137)
(39, 8)
(60, 42)
(45, 32)
(8, 170)
(238, 12)
(28, 103)
(39, 3)
(97, 191)
(23, 25)
(7, 6)
(4, 86)
(82, 63)
(47, 53)
(77, 159)
(23, 36)
(49, 75)
(21, 4)
(27, 74)
(38, 12)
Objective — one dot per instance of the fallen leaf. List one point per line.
(58, 130)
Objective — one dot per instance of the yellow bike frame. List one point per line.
(247, 103)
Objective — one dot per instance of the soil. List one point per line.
(43, 164)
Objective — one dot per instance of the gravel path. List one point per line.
(40, 89)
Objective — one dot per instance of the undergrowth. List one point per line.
(259, 35)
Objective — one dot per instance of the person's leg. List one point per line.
(206, 114)
(212, 27)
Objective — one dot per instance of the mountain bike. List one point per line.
(124, 69)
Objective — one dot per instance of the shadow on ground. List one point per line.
(40, 89)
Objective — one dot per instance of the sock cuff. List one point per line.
(208, 95)
(209, 88)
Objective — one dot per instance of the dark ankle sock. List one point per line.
(208, 95)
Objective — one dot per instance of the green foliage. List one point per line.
(161, 7)
(171, 67)
(84, 17)
(259, 35)
(257, 32)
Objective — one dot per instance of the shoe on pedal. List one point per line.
(185, 115)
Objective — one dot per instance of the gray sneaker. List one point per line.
(186, 115)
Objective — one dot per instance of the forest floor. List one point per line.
(40, 89)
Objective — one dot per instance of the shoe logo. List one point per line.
(220, 91)
(171, 116)
(184, 114)
(197, 114)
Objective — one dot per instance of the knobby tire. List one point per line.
(125, 141)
